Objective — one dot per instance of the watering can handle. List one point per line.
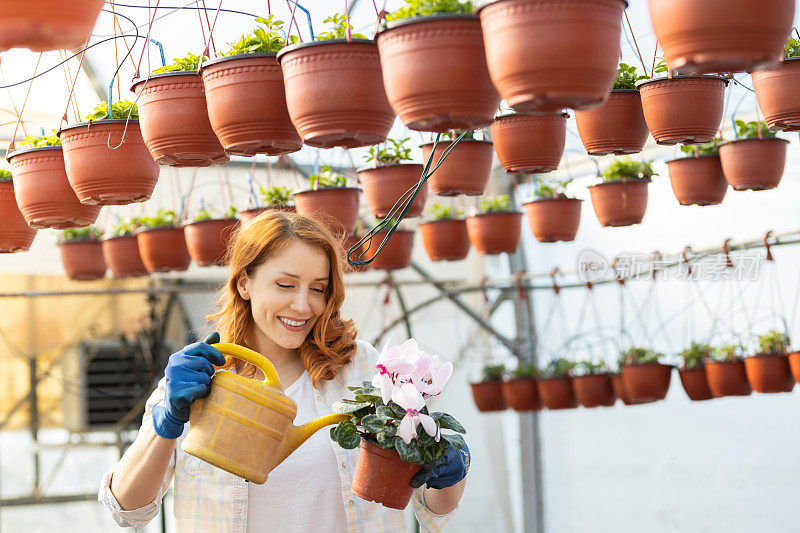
(253, 357)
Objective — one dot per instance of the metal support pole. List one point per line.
(34, 423)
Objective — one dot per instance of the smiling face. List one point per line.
(287, 296)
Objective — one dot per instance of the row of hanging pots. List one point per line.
(47, 24)
(764, 373)
(494, 233)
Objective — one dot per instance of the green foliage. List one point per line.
(558, 368)
(327, 178)
(263, 39)
(500, 204)
(711, 148)
(203, 214)
(492, 372)
(182, 64)
(88, 233)
(452, 135)
(623, 168)
(445, 212)
(792, 47)
(35, 141)
(5, 175)
(695, 355)
(729, 352)
(395, 152)
(425, 8)
(164, 218)
(338, 28)
(125, 226)
(551, 188)
(118, 110)
(639, 356)
(276, 195)
(588, 368)
(773, 342)
(627, 77)
(749, 130)
(525, 371)
(232, 211)
(661, 67)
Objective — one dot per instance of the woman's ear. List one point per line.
(242, 285)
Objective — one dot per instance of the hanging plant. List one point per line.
(434, 66)
(496, 228)
(15, 234)
(530, 143)
(768, 370)
(390, 177)
(82, 253)
(120, 250)
(162, 245)
(396, 253)
(698, 179)
(756, 160)
(488, 392)
(693, 371)
(554, 386)
(466, 169)
(519, 391)
(591, 383)
(725, 373)
(775, 88)
(106, 159)
(621, 198)
(43, 25)
(330, 200)
(445, 235)
(208, 237)
(275, 198)
(552, 215)
(644, 378)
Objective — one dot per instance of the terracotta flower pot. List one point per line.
(697, 180)
(100, 175)
(545, 55)
(721, 35)
(163, 249)
(43, 193)
(384, 185)
(121, 254)
(794, 365)
(495, 233)
(246, 216)
(554, 219)
(337, 207)
(753, 164)
(247, 105)
(556, 393)
(488, 396)
(530, 143)
(683, 109)
(620, 203)
(445, 240)
(619, 388)
(775, 89)
(695, 384)
(334, 93)
(15, 234)
(382, 477)
(594, 390)
(395, 255)
(435, 73)
(207, 240)
(465, 170)
(727, 378)
(83, 259)
(174, 119)
(521, 395)
(769, 373)
(348, 242)
(616, 127)
(42, 25)
(646, 382)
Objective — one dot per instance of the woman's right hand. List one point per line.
(189, 373)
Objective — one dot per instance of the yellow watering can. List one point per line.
(245, 426)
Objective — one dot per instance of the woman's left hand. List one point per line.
(445, 471)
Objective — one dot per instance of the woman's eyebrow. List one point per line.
(298, 277)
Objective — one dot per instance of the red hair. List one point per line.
(331, 343)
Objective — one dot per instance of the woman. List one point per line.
(282, 299)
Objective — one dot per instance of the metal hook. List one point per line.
(685, 259)
(767, 246)
(620, 279)
(518, 276)
(656, 255)
(556, 288)
(726, 250)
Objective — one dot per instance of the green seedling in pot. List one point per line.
(5, 175)
(750, 130)
(119, 110)
(792, 47)
(394, 151)
(182, 64)
(338, 28)
(88, 233)
(492, 373)
(445, 212)
(695, 355)
(625, 168)
(266, 38)
(639, 356)
(327, 178)
(125, 226)
(590, 368)
(426, 8)
(276, 195)
(558, 368)
(711, 148)
(773, 343)
(726, 354)
(36, 141)
(164, 218)
(499, 204)
(627, 77)
(544, 189)
(525, 371)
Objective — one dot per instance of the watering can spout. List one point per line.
(297, 435)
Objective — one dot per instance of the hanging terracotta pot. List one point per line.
(43, 193)
(556, 393)
(382, 477)
(620, 203)
(246, 216)
(15, 234)
(336, 207)
(465, 170)
(545, 55)
(163, 249)
(769, 373)
(488, 396)
(616, 127)
(753, 164)
(495, 233)
(83, 259)
(99, 175)
(445, 240)
(775, 89)
(554, 219)
(619, 388)
(727, 378)
(521, 395)
(208, 240)
(794, 365)
(721, 35)
(697, 180)
(247, 105)
(121, 254)
(435, 73)
(395, 255)
(348, 242)
(646, 382)
(384, 185)
(334, 93)
(695, 384)
(531, 143)
(594, 390)
(42, 25)
(174, 120)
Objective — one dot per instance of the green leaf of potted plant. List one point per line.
(496, 228)
(725, 372)
(445, 234)
(644, 378)
(519, 390)
(334, 88)
(120, 250)
(693, 371)
(488, 392)
(530, 143)
(555, 387)
(245, 95)
(43, 26)
(755, 160)
(162, 244)
(546, 56)
(434, 66)
(208, 237)
(276, 198)
(591, 383)
(15, 234)
(552, 215)
(174, 116)
(465, 170)
(768, 370)
(82, 253)
(775, 88)
(621, 197)
(698, 179)
(390, 176)
(396, 254)
(330, 200)
(106, 159)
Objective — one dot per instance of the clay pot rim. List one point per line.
(738, 360)
(601, 374)
(641, 83)
(304, 190)
(488, 381)
(762, 355)
(137, 231)
(387, 165)
(517, 380)
(300, 46)
(734, 141)
(76, 241)
(628, 180)
(443, 220)
(192, 222)
(31, 149)
(7, 180)
(551, 200)
(112, 237)
(539, 114)
(223, 59)
(692, 157)
(151, 77)
(647, 364)
(88, 124)
(553, 378)
(259, 208)
(509, 212)
(448, 142)
(682, 368)
(498, 1)
(421, 20)
(625, 91)
(778, 66)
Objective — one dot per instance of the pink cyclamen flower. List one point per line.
(438, 379)
(394, 365)
(409, 398)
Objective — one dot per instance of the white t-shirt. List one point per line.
(304, 492)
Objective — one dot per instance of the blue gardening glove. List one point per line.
(444, 472)
(188, 374)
